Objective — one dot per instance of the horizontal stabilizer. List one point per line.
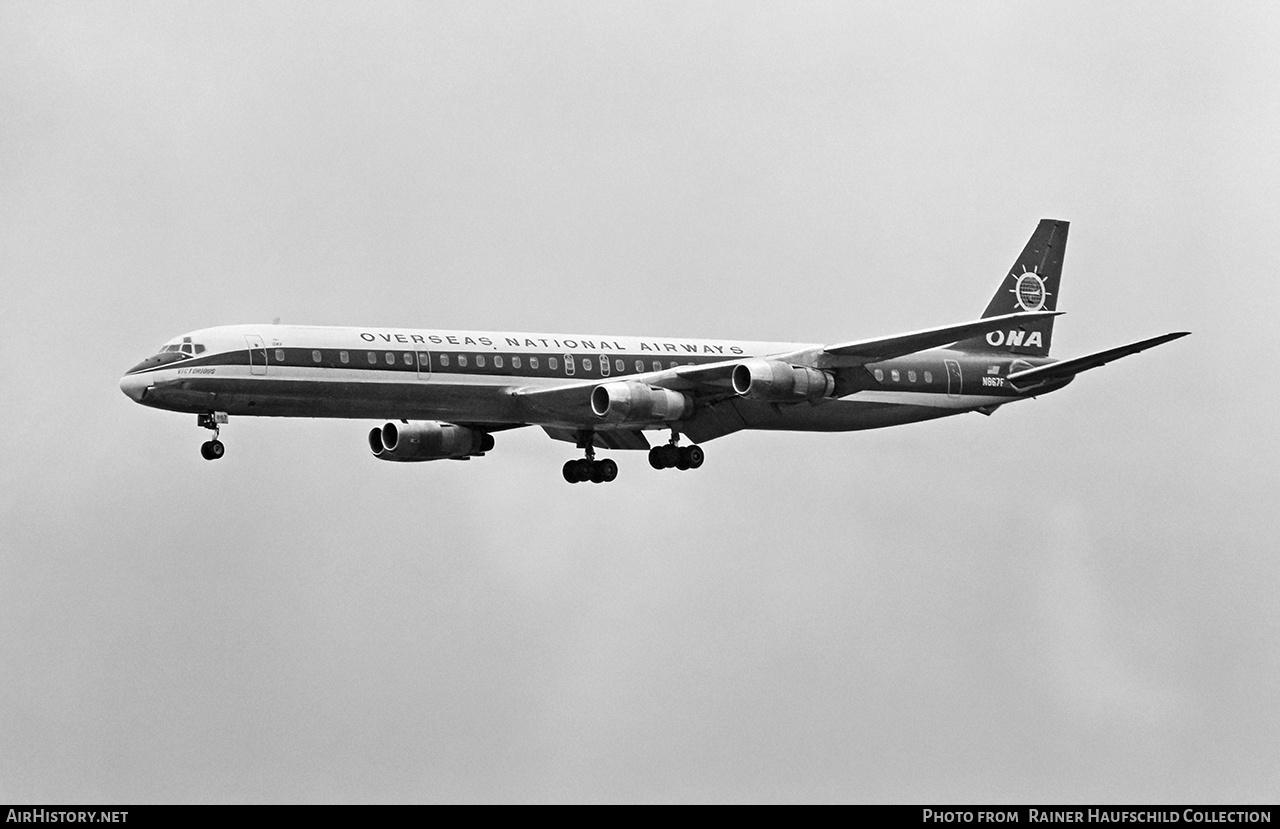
(886, 348)
(1070, 368)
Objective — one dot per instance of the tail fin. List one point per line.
(1032, 285)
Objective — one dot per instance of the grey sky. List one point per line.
(1075, 599)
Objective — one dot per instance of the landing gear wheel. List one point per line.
(696, 456)
(213, 449)
(608, 470)
(655, 458)
(670, 456)
(585, 469)
(682, 458)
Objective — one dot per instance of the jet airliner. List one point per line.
(443, 393)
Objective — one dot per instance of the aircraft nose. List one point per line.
(134, 386)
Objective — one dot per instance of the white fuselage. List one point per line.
(473, 377)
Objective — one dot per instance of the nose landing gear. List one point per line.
(213, 449)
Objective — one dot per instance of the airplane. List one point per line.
(444, 393)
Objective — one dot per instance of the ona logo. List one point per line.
(1029, 291)
(1016, 338)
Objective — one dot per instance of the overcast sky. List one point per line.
(1072, 600)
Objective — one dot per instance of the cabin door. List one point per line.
(257, 354)
(953, 378)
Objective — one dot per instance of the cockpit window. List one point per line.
(186, 348)
(171, 352)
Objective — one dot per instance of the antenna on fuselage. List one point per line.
(275, 321)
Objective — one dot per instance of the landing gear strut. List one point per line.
(588, 468)
(673, 455)
(211, 450)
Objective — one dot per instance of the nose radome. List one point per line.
(134, 386)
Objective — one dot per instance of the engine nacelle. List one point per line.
(427, 440)
(776, 380)
(638, 403)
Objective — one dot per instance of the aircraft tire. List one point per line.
(696, 456)
(670, 456)
(571, 471)
(655, 458)
(682, 458)
(608, 470)
(204, 450)
(216, 450)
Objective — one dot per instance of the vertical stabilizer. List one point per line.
(1031, 285)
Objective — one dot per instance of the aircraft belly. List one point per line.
(270, 397)
(837, 415)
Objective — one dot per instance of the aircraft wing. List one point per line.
(899, 345)
(1070, 368)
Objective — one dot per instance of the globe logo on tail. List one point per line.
(1029, 291)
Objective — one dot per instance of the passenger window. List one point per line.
(497, 362)
(424, 361)
(879, 376)
(657, 365)
(911, 376)
(515, 362)
(533, 363)
(552, 363)
(569, 368)
(640, 365)
(279, 355)
(344, 357)
(619, 365)
(674, 364)
(462, 360)
(408, 358)
(928, 376)
(894, 375)
(480, 360)
(586, 364)
(315, 356)
(373, 358)
(444, 359)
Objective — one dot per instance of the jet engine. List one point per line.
(427, 440)
(638, 403)
(779, 381)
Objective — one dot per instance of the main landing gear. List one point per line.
(680, 457)
(588, 468)
(211, 450)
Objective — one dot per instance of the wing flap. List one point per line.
(1072, 367)
(611, 439)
